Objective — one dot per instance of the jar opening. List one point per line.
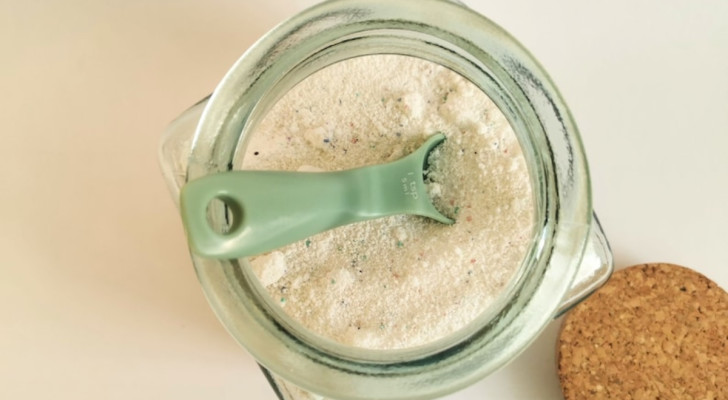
(481, 52)
(402, 281)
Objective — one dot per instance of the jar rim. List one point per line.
(294, 47)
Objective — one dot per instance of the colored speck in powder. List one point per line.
(308, 242)
(472, 261)
(326, 140)
(283, 299)
(333, 281)
(456, 210)
(339, 248)
(469, 218)
(400, 243)
(256, 153)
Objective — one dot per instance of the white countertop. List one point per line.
(98, 298)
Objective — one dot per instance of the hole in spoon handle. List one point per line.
(212, 217)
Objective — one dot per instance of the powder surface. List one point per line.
(399, 281)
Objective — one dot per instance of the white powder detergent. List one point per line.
(400, 281)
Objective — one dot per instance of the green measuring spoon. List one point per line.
(271, 209)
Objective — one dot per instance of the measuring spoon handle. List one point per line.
(270, 209)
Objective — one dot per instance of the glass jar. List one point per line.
(569, 256)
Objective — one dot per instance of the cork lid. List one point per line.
(654, 331)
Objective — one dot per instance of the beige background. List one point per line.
(98, 298)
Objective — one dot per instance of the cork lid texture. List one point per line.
(653, 331)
